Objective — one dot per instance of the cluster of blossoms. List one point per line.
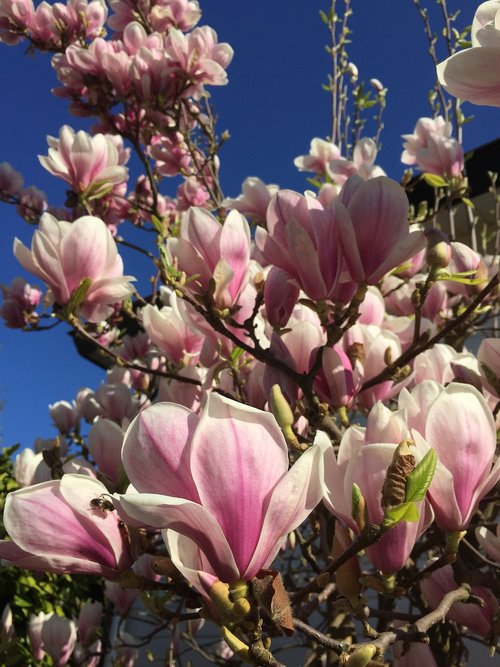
(293, 403)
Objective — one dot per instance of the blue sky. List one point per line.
(273, 106)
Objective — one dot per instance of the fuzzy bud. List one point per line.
(438, 253)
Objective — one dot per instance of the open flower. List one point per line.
(474, 74)
(65, 254)
(91, 165)
(54, 527)
(203, 481)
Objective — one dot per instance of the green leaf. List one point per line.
(79, 295)
(434, 180)
(405, 512)
(157, 224)
(323, 16)
(468, 202)
(420, 478)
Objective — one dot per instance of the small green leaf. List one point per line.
(157, 224)
(419, 480)
(323, 16)
(405, 512)
(79, 295)
(434, 180)
(468, 202)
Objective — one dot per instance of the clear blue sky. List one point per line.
(273, 106)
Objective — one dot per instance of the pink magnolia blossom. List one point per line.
(30, 468)
(64, 254)
(302, 240)
(15, 18)
(199, 57)
(474, 74)
(432, 148)
(281, 293)
(172, 333)
(320, 155)
(11, 181)
(377, 345)
(372, 310)
(201, 479)
(161, 15)
(92, 541)
(254, 199)
(57, 635)
(362, 164)
(32, 203)
(488, 357)
(363, 458)
(459, 425)
(477, 618)
(105, 442)
(214, 252)
(337, 381)
(19, 301)
(372, 220)
(92, 165)
(65, 416)
(61, 24)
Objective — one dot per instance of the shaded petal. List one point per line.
(186, 518)
(293, 499)
(473, 75)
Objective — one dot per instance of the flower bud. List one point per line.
(438, 253)
(361, 656)
(394, 488)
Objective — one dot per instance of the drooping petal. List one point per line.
(187, 518)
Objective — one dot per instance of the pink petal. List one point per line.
(237, 492)
(186, 518)
(156, 451)
(473, 75)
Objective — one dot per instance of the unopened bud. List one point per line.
(359, 511)
(438, 253)
(284, 416)
(402, 464)
(361, 656)
(378, 85)
(235, 644)
(347, 575)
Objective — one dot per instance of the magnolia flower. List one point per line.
(214, 252)
(459, 425)
(65, 254)
(320, 155)
(254, 198)
(478, 618)
(362, 163)
(54, 527)
(91, 165)
(363, 458)
(54, 635)
(474, 74)
(432, 148)
(224, 515)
